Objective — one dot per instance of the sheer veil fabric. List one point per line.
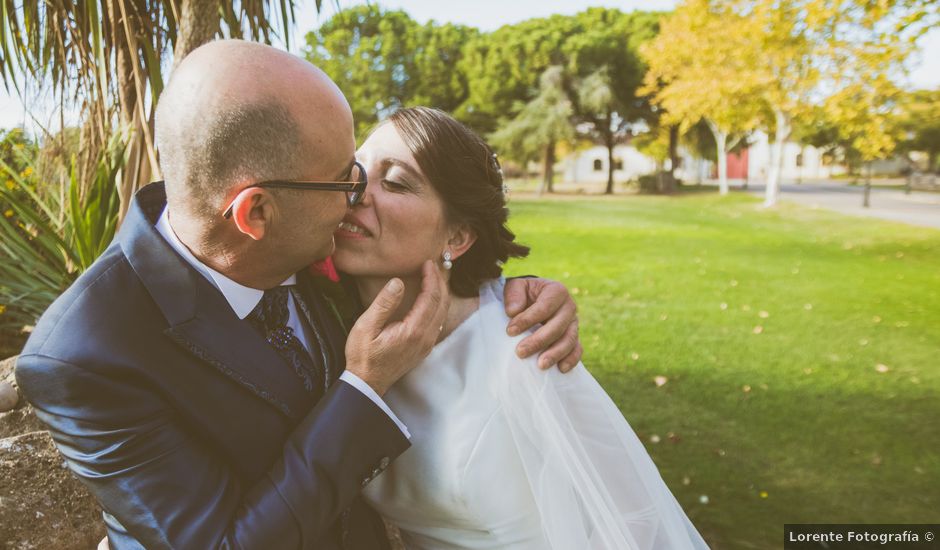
(507, 456)
(593, 482)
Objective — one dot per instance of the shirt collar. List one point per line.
(241, 298)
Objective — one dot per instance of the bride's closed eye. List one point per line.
(395, 186)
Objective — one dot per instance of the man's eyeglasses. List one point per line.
(355, 188)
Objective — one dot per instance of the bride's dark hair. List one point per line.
(464, 172)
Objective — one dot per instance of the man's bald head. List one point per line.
(235, 113)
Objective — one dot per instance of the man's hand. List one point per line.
(532, 301)
(380, 354)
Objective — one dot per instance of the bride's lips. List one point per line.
(352, 228)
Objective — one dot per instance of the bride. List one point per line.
(504, 454)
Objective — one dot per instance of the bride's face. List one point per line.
(400, 222)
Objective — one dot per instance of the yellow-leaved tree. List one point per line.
(730, 61)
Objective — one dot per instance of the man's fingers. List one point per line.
(430, 306)
(381, 309)
(572, 360)
(551, 297)
(515, 296)
(549, 333)
(556, 347)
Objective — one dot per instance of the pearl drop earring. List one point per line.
(447, 260)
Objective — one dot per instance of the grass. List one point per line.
(801, 349)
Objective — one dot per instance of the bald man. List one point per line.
(197, 378)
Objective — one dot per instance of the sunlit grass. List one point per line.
(801, 350)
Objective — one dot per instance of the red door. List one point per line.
(737, 165)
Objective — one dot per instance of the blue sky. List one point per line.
(486, 15)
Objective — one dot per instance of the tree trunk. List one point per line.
(669, 183)
(127, 27)
(932, 162)
(799, 178)
(609, 141)
(866, 199)
(721, 142)
(776, 158)
(548, 172)
(199, 23)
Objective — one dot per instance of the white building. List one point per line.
(800, 163)
(590, 165)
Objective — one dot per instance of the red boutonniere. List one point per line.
(326, 268)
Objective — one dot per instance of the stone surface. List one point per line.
(42, 505)
(19, 421)
(6, 369)
(8, 397)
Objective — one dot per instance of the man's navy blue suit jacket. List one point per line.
(185, 424)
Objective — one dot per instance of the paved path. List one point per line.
(918, 208)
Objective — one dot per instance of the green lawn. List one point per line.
(801, 348)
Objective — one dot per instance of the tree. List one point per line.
(919, 124)
(367, 51)
(787, 57)
(605, 55)
(106, 57)
(656, 144)
(866, 119)
(384, 60)
(539, 126)
(698, 67)
(503, 68)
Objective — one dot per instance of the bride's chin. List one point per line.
(349, 262)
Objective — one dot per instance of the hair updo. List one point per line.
(465, 173)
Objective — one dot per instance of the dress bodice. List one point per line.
(507, 456)
(460, 485)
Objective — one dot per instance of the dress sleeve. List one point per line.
(594, 483)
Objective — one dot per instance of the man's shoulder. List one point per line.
(102, 297)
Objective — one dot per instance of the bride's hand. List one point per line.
(530, 301)
(380, 354)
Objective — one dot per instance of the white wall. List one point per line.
(579, 167)
(812, 167)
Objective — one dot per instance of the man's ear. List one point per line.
(461, 239)
(252, 211)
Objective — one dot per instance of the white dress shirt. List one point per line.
(243, 300)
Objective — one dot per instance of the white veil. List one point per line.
(594, 483)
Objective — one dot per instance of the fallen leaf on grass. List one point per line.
(703, 499)
(746, 388)
(758, 329)
(882, 368)
(660, 380)
(655, 439)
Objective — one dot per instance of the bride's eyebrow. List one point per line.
(411, 170)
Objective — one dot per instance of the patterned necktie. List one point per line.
(270, 319)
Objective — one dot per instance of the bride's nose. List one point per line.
(367, 194)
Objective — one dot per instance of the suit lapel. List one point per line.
(199, 318)
(323, 314)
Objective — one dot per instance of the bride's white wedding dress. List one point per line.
(507, 456)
